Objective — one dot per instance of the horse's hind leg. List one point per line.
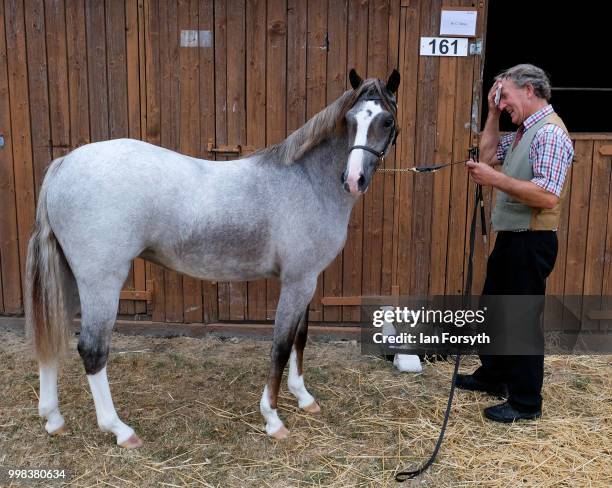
(99, 300)
(295, 380)
(294, 298)
(48, 402)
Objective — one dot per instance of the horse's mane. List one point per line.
(325, 123)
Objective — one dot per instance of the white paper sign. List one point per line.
(444, 46)
(458, 23)
(194, 38)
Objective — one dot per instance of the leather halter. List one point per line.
(390, 141)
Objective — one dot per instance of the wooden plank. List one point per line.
(442, 179)
(387, 283)
(316, 61)
(597, 223)
(480, 254)
(276, 102)
(221, 43)
(338, 301)
(600, 315)
(236, 122)
(1, 294)
(297, 27)
(598, 136)
(256, 118)
(605, 149)
(9, 245)
(336, 85)
(461, 200)
(38, 89)
(404, 181)
(154, 273)
(378, 25)
(58, 76)
(135, 103)
(579, 215)
(426, 121)
(136, 295)
(210, 306)
(78, 92)
(296, 58)
(352, 260)
(188, 12)
(606, 286)
(555, 284)
(116, 67)
(97, 75)
(170, 120)
(16, 57)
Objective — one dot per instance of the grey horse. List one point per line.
(281, 212)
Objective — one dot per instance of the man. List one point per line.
(530, 189)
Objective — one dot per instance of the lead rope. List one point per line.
(479, 202)
(420, 169)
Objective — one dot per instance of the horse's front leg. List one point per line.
(295, 296)
(295, 380)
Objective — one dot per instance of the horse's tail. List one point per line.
(49, 285)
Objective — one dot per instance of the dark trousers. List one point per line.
(519, 265)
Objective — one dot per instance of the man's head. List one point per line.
(525, 90)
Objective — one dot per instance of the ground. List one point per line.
(195, 403)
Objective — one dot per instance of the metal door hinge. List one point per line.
(476, 47)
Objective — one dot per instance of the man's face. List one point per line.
(515, 101)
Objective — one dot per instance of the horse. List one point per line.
(280, 212)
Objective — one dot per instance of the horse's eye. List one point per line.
(388, 122)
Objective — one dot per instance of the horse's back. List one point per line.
(128, 197)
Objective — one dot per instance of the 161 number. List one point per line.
(443, 46)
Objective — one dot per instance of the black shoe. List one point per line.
(506, 413)
(468, 382)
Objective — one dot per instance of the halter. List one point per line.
(391, 139)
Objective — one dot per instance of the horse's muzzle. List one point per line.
(354, 185)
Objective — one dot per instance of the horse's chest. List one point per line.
(316, 246)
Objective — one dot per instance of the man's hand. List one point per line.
(482, 173)
(493, 108)
(524, 191)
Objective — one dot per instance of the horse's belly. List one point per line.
(212, 265)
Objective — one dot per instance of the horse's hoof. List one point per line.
(281, 433)
(60, 430)
(133, 442)
(312, 408)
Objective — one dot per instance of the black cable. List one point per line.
(467, 291)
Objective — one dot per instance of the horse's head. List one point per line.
(372, 128)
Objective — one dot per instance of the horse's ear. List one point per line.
(355, 79)
(393, 81)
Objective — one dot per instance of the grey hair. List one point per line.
(325, 123)
(528, 74)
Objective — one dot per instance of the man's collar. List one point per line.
(537, 116)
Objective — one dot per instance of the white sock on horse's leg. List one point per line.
(295, 382)
(274, 425)
(48, 404)
(108, 420)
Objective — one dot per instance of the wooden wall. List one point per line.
(77, 71)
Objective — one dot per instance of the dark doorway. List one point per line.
(569, 41)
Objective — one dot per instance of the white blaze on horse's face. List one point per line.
(364, 118)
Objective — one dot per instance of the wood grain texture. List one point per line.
(337, 19)
(256, 118)
(9, 244)
(16, 59)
